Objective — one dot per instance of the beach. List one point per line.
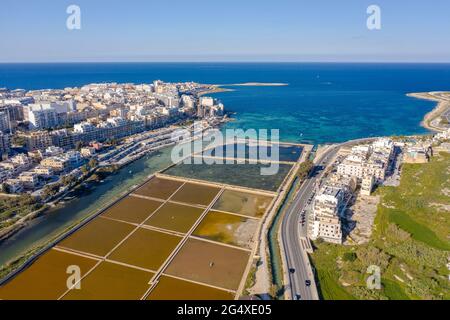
(431, 119)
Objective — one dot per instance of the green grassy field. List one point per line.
(330, 288)
(409, 242)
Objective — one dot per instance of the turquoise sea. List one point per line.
(324, 102)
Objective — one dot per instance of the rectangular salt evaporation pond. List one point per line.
(227, 228)
(175, 217)
(196, 194)
(244, 203)
(213, 264)
(169, 288)
(45, 278)
(286, 152)
(146, 249)
(98, 237)
(245, 175)
(159, 188)
(132, 209)
(111, 281)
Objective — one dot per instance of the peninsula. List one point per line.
(438, 119)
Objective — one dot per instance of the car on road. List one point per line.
(292, 270)
(298, 297)
(307, 283)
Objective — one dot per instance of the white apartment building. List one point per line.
(327, 209)
(48, 114)
(21, 159)
(84, 127)
(37, 140)
(14, 185)
(368, 160)
(87, 152)
(367, 184)
(361, 168)
(41, 116)
(43, 171)
(29, 179)
(4, 122)
(5, 144)
(4, 174)
(53, 151)
(67, 161)
(187, 101)
(206, 101)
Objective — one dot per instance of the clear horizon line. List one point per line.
(228, 61)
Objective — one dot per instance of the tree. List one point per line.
(49, 190)
(93, 163)
(349, 256)
(66, 180)
(304, 169)
(78, 145)
(85, 169)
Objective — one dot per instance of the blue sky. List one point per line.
(232, 30)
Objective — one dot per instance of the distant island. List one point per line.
(216, 88)
(256, 84)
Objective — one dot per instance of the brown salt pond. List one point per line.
(98, 237)
(110, 281)
(46, 278)
(227, 228)
(175, 217)
(247, 204)
(146, 249)
(196, 194)
(132, 209)
(209, 263)
(169, 288)
(159, 188)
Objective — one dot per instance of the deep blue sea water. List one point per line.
(323, 102)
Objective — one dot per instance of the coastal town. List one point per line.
(341, 207)
(51, 140)
(344, 192)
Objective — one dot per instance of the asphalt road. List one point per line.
(299, 268)
(298, 265)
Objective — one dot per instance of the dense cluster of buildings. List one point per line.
(365, 166)
(50, 126)
(24, 173)
(370, 160)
